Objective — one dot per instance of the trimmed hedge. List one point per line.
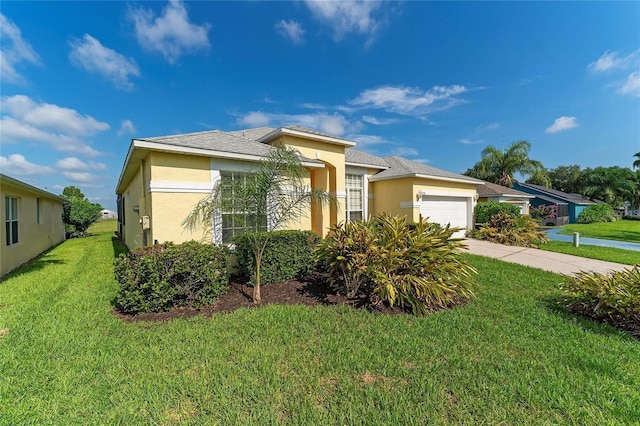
(157, 278)
(288, 255)
(485, 210)
(596, 213)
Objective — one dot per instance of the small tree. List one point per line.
(274, 193)
(78, 212)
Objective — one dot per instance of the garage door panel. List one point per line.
(446, 210)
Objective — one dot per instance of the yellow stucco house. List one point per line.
(163, 178)
(32, 222)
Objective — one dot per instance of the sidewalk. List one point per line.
(542, 259)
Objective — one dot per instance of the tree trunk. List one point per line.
(256, 285)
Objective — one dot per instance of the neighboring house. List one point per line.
(108, 214)
(503, 194)
(163, 178)
(569, 205)
(32, 222)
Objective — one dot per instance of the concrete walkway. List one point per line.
(554, 235)
(542, 259)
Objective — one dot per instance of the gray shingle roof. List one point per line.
(214, 140)
(253, 134)
(361, 157)
(401, 167)
(572, 198)
(489, 189)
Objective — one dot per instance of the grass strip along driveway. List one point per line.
(610, 254)
(620, 230)
(510, 356)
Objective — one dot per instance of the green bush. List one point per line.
(159, 277)
(385, 260)
(288, 255)
(614, 297)
(484, 211)
(504, 229)
(597, 213)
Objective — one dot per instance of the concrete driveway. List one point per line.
(542, 259)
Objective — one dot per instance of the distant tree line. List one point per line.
(614, 185)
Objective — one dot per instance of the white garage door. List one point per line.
(444, 210)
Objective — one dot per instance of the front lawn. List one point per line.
(610, 254)
(511, 356)
(621, 230)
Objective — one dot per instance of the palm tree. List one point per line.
(271, 195)
(499, 166)
(636, 163)
(613, 185)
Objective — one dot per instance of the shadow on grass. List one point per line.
(37, 263)
(118, 247)
(593, 325)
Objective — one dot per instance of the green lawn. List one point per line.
(610, 254)
(621, 230)
(509, 357)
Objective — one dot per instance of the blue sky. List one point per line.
(433, 82)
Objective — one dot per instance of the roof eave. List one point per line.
(25, 186)
(364, 165)
(282, 131)
(421, 176)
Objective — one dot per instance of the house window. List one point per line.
(355, 200)
(236, 215)
(11, 220)
(38, 207)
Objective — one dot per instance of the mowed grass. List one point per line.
(509, 357)
(609, 254)
(620, 230)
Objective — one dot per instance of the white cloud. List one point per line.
(79, 177)
(93, 57)
(377, 121)
(405, 152)
(468, 141)
(64, 128)
(344, 17)
(492, 126)
(364, 140)
(613, 60)
(255, 119)
(75, 164)
(631, 85)
(171, 33)
(16, 164)
(14, 50)
(410, 100)
(291, 30)
(126, 127)
(562, 123)
(334, 124)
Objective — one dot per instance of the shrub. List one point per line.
(288, 255)
(386, 260)
(613, 297)
(159, 277)
(503, 229)
(544, 212)
(484, 211)
(596, 213)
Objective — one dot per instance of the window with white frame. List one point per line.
(11, 220)
(355, 197)
(237, 215)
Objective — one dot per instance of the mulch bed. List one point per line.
(311, 293)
